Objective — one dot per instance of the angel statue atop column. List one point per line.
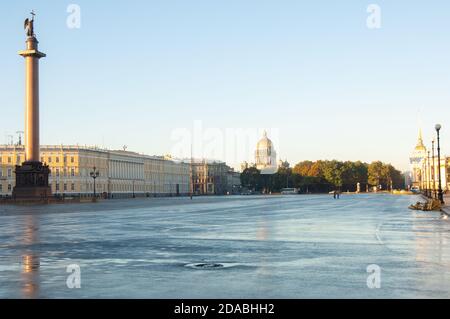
(29, 25)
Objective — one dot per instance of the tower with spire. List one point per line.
(417, 160)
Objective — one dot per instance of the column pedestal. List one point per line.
(32, 181)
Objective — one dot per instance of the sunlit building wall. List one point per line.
(430, 173)
(121, 173)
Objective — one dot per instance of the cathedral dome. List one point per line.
(264, 144)
(266, 156)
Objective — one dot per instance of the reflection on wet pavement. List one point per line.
(225, 247)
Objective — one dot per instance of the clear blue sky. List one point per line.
(138, 70)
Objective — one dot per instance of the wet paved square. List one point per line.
(226, 247)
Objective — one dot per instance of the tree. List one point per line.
(332, 172)
(323, 176)
(283, 178)
(303, 168)
(385, 175)
(354, 173)
(316, 169)
(376, 173)
(251, 178)
(395, 177)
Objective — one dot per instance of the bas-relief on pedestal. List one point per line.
(32, 181)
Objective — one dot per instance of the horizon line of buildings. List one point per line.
(121, 173)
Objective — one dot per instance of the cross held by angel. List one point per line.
(29, 25)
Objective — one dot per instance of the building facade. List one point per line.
(234, 185)
(121, 173)
(213, 178)
(430, 174)
(447, 172)
(424, 172)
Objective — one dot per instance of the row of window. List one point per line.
(72, 187)
(9, 187)
(9, 172)
(9, 159)
(65, 187)
(49, 159)
(57, 187)
(57, 159)
(58, 173)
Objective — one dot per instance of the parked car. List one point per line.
(415, 189)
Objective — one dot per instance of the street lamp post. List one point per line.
(440, 193)
(134, 196)
(425, 174)
(94, 174)
(422, 178)
(433, 173)
(429, 177)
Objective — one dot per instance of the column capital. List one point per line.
(32, 53)
(32, 49)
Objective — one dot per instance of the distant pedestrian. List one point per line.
(334, 194)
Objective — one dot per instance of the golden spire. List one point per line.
(420, 146)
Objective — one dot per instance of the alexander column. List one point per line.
(32, 175)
